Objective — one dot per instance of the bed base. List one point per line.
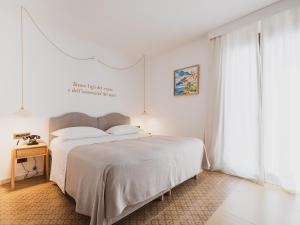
(169, 193)
(161, 198)
(129, 210)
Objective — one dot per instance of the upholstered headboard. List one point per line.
(76, 119)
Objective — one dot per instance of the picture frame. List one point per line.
(186, 81)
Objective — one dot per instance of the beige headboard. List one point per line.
(76, 119)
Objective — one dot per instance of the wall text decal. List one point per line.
(91, 89)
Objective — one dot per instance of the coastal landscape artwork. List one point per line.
(186, 81)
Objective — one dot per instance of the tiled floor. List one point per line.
(215, 198)
(251, 204)
(192, 202)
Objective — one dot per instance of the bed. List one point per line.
(110, 177)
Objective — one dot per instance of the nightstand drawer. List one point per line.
(23, 153)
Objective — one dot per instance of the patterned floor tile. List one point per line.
(191, 203)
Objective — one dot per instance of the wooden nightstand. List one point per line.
(27, 151)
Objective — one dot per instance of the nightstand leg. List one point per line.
(47, 165)
(12, 169)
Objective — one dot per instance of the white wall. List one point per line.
(48, 75)
(260, 14)
(180, 115)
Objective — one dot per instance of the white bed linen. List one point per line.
(106, 178)
(60, 149)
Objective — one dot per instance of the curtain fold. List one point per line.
(213, 109)
(236, 146)
(281, 99)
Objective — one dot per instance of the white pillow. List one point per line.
(123, 129)
(78, 133)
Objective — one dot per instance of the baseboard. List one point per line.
(22, 177)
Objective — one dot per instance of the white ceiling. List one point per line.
(140, 26)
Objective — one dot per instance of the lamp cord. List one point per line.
(65, 52)
(22, 62)
(27, 172)
(144, 57)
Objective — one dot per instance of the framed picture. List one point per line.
(186, 81)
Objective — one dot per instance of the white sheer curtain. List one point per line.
(281, 99)
(236, 146)
(256, 129)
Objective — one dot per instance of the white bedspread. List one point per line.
(108, 174)
(60, 150)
